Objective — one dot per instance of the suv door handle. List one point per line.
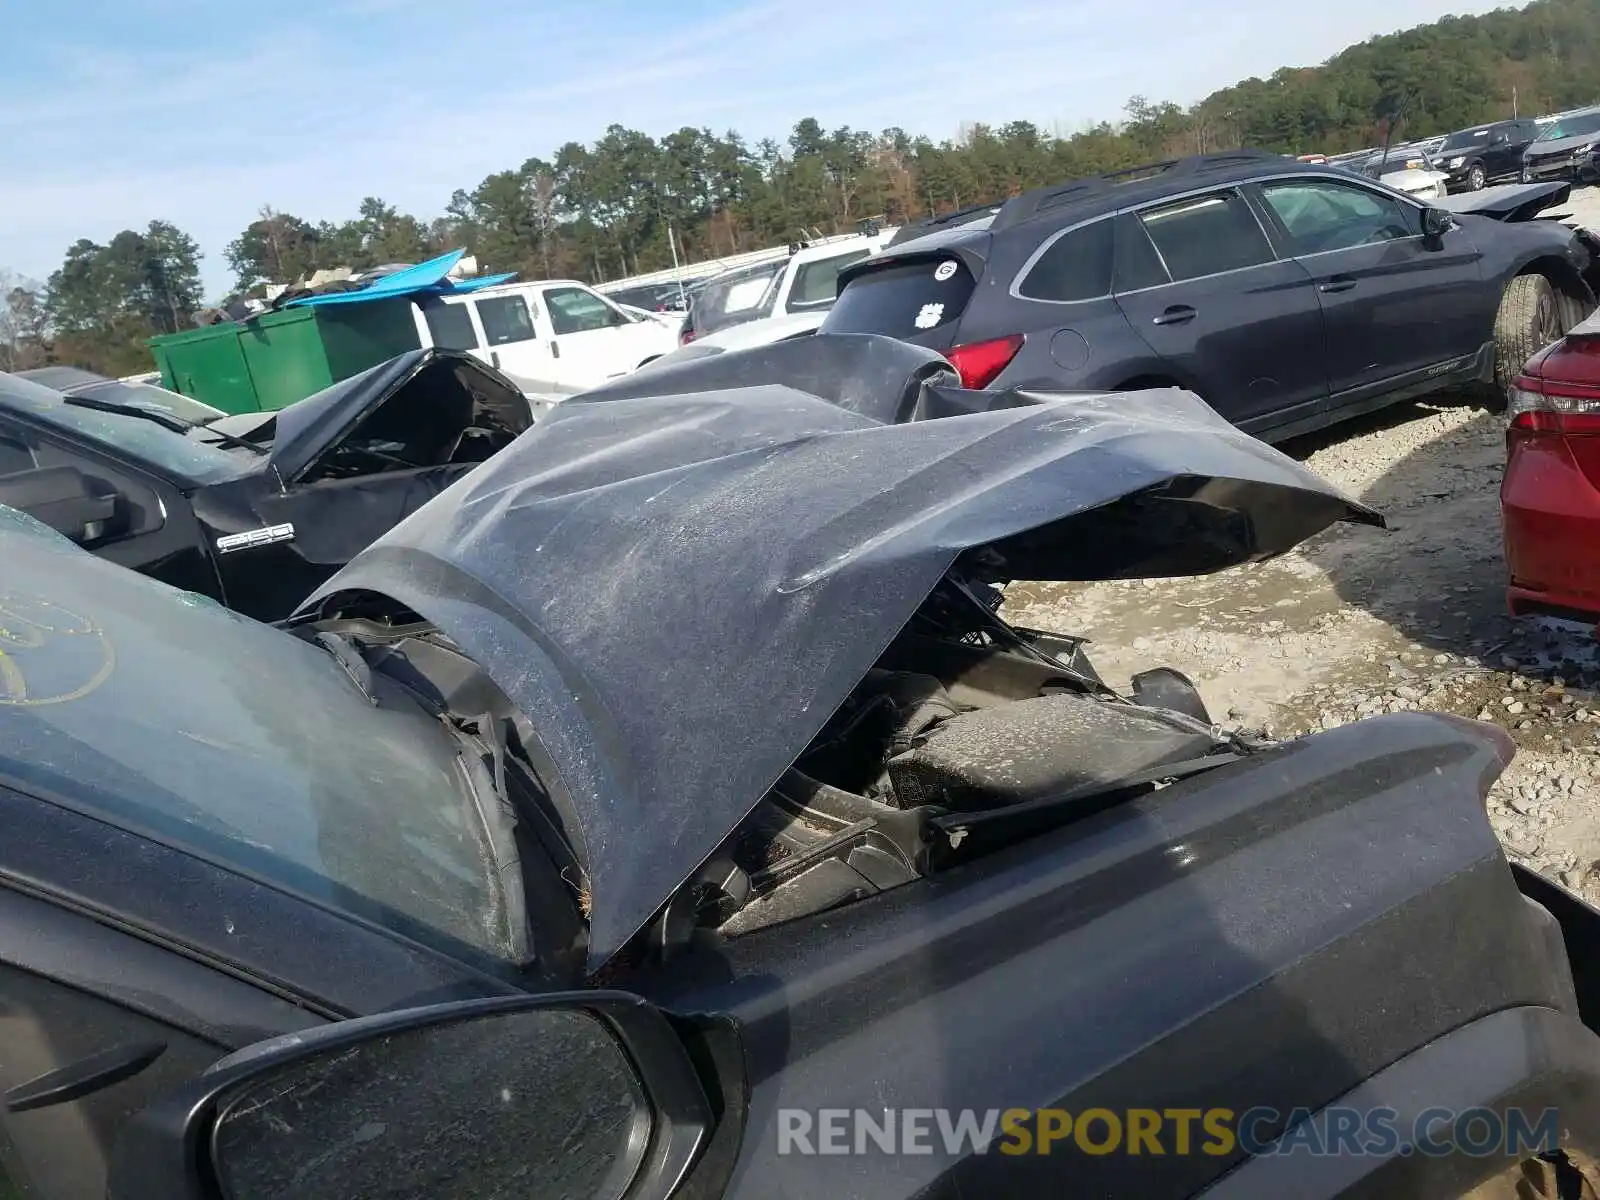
(494, 359)
(1336, 283)
(1176, 315)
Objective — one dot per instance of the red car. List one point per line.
(1550, 498)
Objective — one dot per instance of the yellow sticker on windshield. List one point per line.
(49, 654)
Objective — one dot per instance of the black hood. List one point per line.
(678, 590)
(304, 429)
(1509, 202)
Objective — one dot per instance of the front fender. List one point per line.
(1525, 1061)
(1579, 924)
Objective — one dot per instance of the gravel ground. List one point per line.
(1361, 621)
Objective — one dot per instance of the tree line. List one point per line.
(625, 203)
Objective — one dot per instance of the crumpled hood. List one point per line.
(679, 590)
(1508, 202)
(303, 430)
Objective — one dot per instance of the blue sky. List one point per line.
(119, 111)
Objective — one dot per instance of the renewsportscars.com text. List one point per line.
(1218, 1132)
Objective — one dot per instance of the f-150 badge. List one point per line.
(255, 537)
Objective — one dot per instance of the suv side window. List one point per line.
(61, 1151)
(1207, 235)
(1137, 263)
(1322, 215)
(1075, 266)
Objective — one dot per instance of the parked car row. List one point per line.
(1523, 149)
(1288, 295)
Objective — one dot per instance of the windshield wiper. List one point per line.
(165, 419)
(349, 657)
(160, 417)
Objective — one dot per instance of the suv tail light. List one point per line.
(1559, 389)
(979, 362)
(687, 334)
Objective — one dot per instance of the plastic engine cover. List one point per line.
(1032, 749)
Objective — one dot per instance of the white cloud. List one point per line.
(408, 102)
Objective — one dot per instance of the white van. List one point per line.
(555, 336)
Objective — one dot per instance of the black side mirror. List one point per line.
(590, 1095)
(1436, 222)
(64, 499)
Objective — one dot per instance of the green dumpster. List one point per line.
(272, 360)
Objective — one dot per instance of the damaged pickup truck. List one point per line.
(673, 781)
(255, 509)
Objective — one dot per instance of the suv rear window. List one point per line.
(917, 301)
(1207, 235)
(736, 297)
(1076, 266)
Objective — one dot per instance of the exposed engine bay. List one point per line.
(967, 735)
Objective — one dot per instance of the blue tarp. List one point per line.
(431, 277)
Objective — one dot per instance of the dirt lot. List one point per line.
(1362, 621)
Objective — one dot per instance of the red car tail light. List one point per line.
(980, 362)
(1559, 389)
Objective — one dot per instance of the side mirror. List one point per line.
(1436, 222)
(590, 1096)
(65, 499)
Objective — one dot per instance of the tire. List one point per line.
(1476, 178)
(1532, 315)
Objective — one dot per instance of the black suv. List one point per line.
(1288, 295)
(1481, 154)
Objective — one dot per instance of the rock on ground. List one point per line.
(1362, 621)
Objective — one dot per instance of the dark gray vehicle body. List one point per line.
(1281, 931)
(1297, 339)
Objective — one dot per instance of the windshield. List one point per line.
(738, 296)
(1571, 127)
(1466, 139)
(166, 449)
(160, 711)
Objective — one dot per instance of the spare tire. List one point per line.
(1531, 316)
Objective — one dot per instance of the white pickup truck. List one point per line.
(552, 336)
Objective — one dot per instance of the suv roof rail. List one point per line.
(915, 229)
(1030, 204)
